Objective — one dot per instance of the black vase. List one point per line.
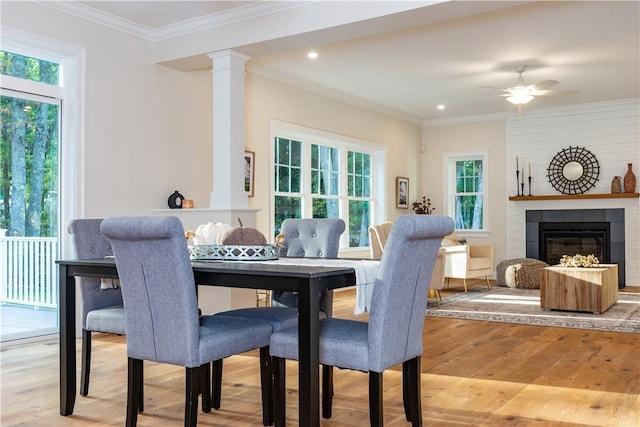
(175, 200)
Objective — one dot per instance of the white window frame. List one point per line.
(70, 92)
(343, 143)
(449, 166)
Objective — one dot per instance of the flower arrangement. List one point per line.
(423, 207)
(579, 261)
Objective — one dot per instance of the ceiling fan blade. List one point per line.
(554, 92)
(495, 88)
(546, 84)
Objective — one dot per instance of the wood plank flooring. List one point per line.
(473, 374)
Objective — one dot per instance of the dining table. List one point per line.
(307, 280)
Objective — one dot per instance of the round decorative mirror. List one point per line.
(573, 170)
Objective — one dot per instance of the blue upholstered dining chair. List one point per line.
(305, 238)
(161, 309)
(101, 300)
(393, 334)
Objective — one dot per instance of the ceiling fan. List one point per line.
(522, 92)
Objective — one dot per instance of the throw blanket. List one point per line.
(366, 271)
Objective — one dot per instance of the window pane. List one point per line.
(469, 212)
(366, 186)
(286, 207)
(324, 165)
(282, 148)
(296, 180)
(358, 223)
(359, 176)
(296, 153)
(283, 179)
(24, 67)
(325, 208)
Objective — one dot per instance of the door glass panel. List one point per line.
(29, 212)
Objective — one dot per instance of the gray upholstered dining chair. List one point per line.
(393, 334)
(161, 309)
(101, 300)
(304, 238)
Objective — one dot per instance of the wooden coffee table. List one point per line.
(593, 289)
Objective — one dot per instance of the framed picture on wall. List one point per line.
(402, 192)
(249, 167)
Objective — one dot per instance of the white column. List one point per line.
(228, 131)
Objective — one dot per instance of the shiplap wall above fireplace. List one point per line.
(610, 131)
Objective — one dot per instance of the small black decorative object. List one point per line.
(175, 200)
(573, 170)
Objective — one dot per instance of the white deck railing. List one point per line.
(28, 274)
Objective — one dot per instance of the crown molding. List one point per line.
(205, 22)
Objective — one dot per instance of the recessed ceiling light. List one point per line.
(441, 107)
(312, 54)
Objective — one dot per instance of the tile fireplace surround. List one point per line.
(622, 214)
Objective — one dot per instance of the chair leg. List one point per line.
(376, 413)
(134, 374)
(405, 392)
(141, 387)
(205, 387)
(191, 397)
(438, 298)
(411, 386)
(86, 362)
(465, 284)
(488, 285)
(279, 391)
(216, 383)
(266, 385)
(327, 391)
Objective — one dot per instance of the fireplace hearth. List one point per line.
(553, 233)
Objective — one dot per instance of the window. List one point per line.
(321, 175)
(467, 190)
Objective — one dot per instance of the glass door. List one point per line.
(29, 214)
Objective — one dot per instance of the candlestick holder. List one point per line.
(522, 185)
(518, 182)
(529, 186)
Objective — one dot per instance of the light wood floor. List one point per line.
(474, 374)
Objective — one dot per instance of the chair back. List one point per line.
(399, 298)
(311, 237)
(89, 242)
(378, 235)
(158, 288)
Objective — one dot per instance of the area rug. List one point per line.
(522, 306)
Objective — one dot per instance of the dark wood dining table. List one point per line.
(306, 280)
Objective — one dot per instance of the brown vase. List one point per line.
(615, 185)
(629, 180)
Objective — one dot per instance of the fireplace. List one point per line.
(570, 238)
(553, 233)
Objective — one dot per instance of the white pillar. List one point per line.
(228, 131)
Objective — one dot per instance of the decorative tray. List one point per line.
(233, 252)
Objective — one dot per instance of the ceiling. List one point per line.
(405, 64)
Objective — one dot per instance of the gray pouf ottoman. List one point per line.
(522, 273)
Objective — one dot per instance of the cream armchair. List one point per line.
(378, 237)
(467, 261)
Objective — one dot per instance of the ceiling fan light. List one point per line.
(519, 98)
